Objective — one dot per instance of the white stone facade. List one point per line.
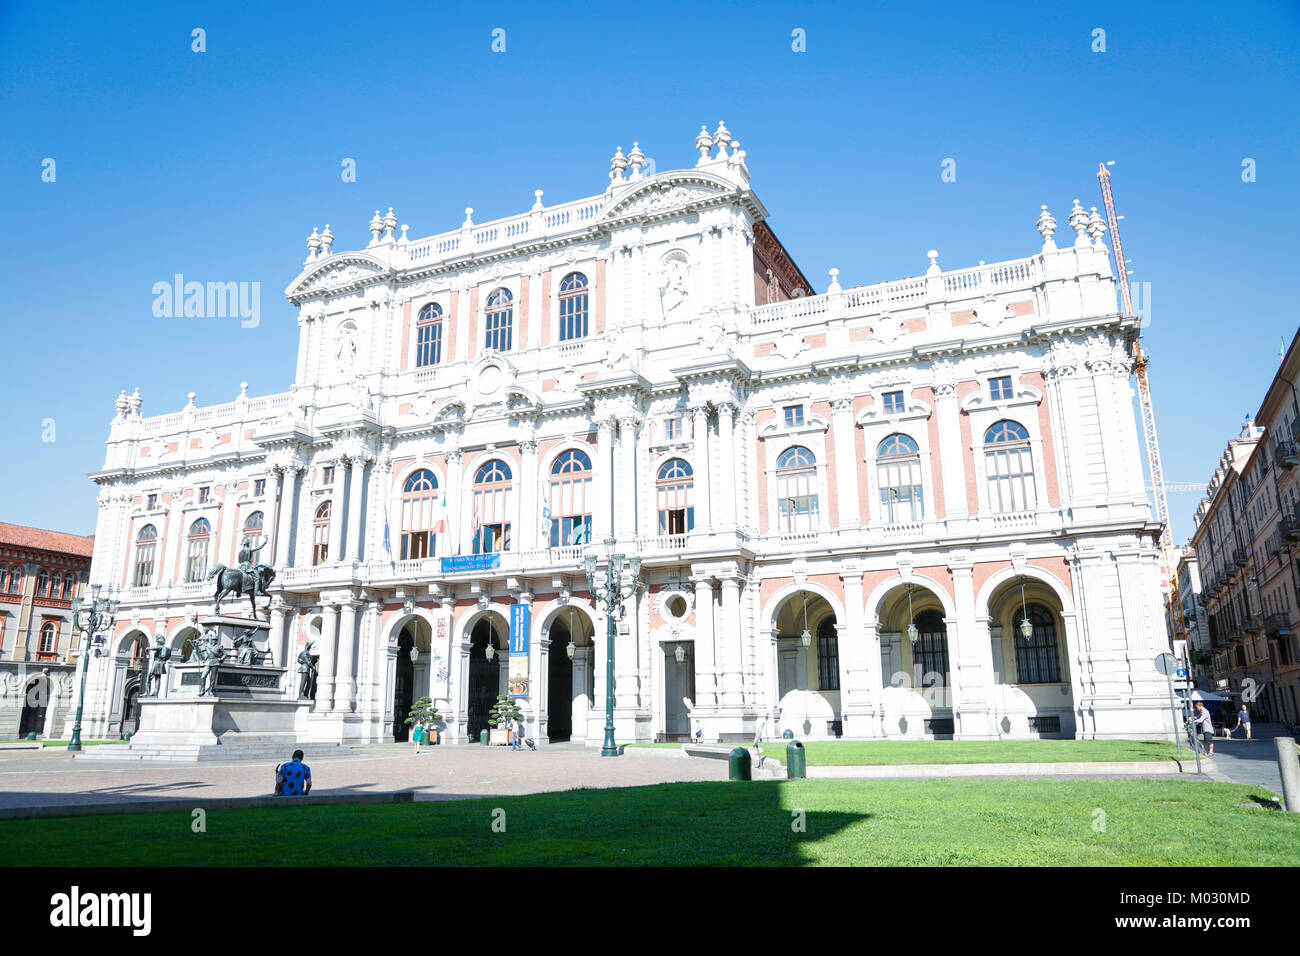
(703, 343)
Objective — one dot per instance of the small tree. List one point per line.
(502, 712)
(423, 712)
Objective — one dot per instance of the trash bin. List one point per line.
(788, 734)
(796, 763)
(738, 763)
(483, 737)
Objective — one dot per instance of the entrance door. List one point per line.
(559, 686)
(484, 679)
(34, 702)
(131, 709)
(679, 684)
(403, 687)
(788, 673)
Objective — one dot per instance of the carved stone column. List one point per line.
(700, 436)
(730, 642)
(846, 461)
(727, 466)
(345, 676)
(356, 499)
(706, 695)
(328, 655)
(337, 515)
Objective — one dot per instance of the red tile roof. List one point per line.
(20, 536)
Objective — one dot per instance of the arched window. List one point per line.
(421, 515)
(15, 580)
(898, 469)
(69, 587)
(146, 543)
(931, 650)
(828, 656)
(320, 534)
(673, 490)
(796, 489)
(4, 579)
(573, 306)
(49, 638)
(567, 507)
(428, 335)
(197, 552)
(43, 583)
(1009, 467)
(499, 315)
(493, 506)
(253, 523)
(1037, 661)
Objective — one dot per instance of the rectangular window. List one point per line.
(894, 403)
(416, 544)
(428, 345)
(492, 538)
(327, 476)
(1000, 388)
(676, 520)
(828, 661)
(204, 493)
(151, 502)
(794, 416)
(570, 530)
(672, 429)
(259, 487)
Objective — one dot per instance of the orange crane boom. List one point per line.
(1169, 564)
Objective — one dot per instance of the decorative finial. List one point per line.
(243, 390)
(376, 227)
(1046, 226)
(390, 224)
(1079, 223)
(1096, 227)
(190, 404)
(636, 159)
(704, 143)
(313, 244)
(933, 269)
(403, 240)
(469, 217)
(537, 200)
(835, 281)
(617, 165)
(721, 137)
(134, 402)
(121, 404)
(326, 240)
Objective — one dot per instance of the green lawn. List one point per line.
(932, 822)
(841, 753)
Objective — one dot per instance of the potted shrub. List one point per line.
(500, 717)
(423, 712)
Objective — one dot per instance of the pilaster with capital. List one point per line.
(729, 641)
(846, 456)
(859, 654)
(345, 673)
(706, 696)
(329, 649)
(625, 477)
(700, 438)
(357, 461)
(726, 463)
(528, 509)
(602, 508)
(948, 417)
(970, 657)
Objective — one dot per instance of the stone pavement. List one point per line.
(54, 778)
(1251, 761)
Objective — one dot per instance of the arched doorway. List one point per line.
(403, 685)
(916, 668)
(484, 675)
(807, 666)
(36, 697)
(132, 657)
(1032, 691)
(568, 678)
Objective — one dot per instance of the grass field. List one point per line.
(843, 753)
(932, 822)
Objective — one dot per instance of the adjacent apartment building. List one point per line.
(1247, 540)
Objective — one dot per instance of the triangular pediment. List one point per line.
(337, 274)
(669, 194)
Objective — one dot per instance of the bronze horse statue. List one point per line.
(237, 581)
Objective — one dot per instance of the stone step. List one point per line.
(219, 752)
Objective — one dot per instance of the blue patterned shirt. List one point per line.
(292, 778)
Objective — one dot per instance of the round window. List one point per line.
(676, 606)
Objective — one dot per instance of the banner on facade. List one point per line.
(517, 676)
(440, 676)
(471, 562)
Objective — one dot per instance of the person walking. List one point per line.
(518, 729)
(1243, 719)
(1205, 724)
(417, 735)
(293, 779)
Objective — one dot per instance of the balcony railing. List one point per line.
(1288, 455)
(1279, 624)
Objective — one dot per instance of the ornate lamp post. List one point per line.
(620, 584)
(99, 617)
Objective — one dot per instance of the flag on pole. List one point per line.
(478, 523)
(440, 516)
(546, 522)
(388, 546)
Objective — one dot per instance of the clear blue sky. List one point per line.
(218, 164)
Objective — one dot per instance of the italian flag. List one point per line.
(440, 516)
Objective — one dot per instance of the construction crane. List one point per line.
(1168, 557)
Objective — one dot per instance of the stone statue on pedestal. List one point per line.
(249, 578)
(245, 652)
(158, 655)
(307, 665)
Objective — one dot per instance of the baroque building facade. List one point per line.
(847, 504)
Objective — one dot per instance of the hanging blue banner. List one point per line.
(520, 616)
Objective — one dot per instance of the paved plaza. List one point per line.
(54, 777)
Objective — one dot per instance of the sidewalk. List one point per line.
(1251, 761)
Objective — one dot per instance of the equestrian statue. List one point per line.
(249, 578)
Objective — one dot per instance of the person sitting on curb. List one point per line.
(293, 779)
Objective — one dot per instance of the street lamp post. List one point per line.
(97, 618)
(620, 584)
